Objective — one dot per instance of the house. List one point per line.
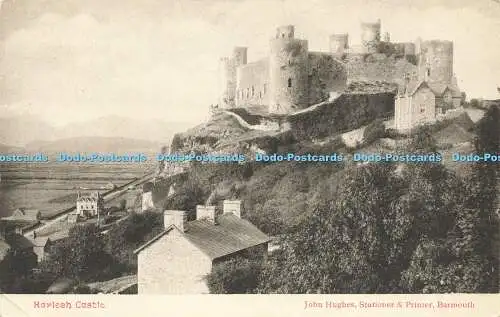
(89, 205)
(178, 260)
(420, 102)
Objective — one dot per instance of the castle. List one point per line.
(292, 78)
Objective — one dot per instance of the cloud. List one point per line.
(159, 59)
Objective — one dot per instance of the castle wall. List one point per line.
(227, 73)
(370, 36)
(227, 82)
(288, 69)
(252, 86)
(378, 67)
(325, 74)
(339, 44)
(349, 111)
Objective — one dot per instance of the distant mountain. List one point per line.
(21, 130)
(116, 126)
(95, 144)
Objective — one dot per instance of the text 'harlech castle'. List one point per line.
(292, 78)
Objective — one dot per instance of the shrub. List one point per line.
(393, 134)
(374, 131)
(236, 276)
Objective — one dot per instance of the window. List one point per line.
(422, 109)
(253, 91)
(428, 71)
(283, 35)
(289, 82)
(265, 88)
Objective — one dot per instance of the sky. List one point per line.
(75, 60)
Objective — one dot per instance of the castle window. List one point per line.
(253, 91)
(289, 83)
(283, 35)
(265, 88)
(428, 71)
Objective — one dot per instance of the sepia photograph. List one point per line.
(250, 147)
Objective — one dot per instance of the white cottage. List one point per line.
(421, 102)
(178, 260)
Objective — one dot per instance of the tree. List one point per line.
(235, 276)
(81, 255)
(125, 237)
(344, 246)
(384, 232)
(177, 143)
(374, 131)
(480, 221)
(123, 204)
(186, 197)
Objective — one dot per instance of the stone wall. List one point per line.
(172, 265)
(349, 111)
(379, 67)
(325, 74)
(253, 83)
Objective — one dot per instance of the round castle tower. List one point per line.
(370, 36)
(227, 71)
(288, 60)
(339, 43)
(436, 61)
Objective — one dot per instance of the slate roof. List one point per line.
(437, 88)
(232, 234)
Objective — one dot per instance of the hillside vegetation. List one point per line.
(373, 228)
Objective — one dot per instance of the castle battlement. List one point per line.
(292, 78)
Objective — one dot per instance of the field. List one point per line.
(53, 187)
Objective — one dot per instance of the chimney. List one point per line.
(232, 206)
(176, 218)
(207, 213)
